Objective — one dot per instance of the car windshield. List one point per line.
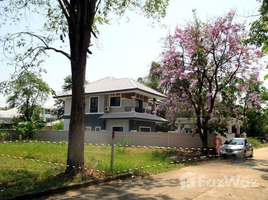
(234, 142)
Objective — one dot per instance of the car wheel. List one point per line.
(245, 155)
(251, 154)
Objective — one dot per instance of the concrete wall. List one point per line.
(135, 138)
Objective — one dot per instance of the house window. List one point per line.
(47, 111)
(88, 128)
(97, 128)
(138, 105)
(118, 128)
(94, 103)
(115, 101)
(144, 129)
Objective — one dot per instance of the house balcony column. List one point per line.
(230, 128)
(133, 103)
(178, 123)
(238, 126)
(154, 105)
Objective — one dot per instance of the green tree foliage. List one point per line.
(27, 93)
(68, 84)
(257, 123)
(259, 29)
(29, 128)
(4, 108)
(255, 118)
(154, 77)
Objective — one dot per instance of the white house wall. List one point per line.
(104, 100)
(124, 103)
(101, 103)
(66, 124)
(67, 108)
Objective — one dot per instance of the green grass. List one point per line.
(256, 144)
(33, 166)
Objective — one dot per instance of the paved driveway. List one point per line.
(220, 179)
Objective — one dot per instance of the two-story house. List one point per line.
(117, 104)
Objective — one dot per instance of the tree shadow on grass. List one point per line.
(17, 181)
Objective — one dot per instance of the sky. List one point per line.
(127, 48)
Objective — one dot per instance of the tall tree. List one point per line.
(254, 116)
(27, 93)
(77, 21)
(68, 84)
(154, 77)
(201, 62)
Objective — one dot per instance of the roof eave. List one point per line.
(113, 91)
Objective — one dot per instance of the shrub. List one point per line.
(29, 128)
(3, 135)
(255, 143)
(58, 125)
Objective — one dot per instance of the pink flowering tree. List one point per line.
(203, 65)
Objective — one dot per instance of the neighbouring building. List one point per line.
(46, 115)
(8, 115)
(117, 105)
(184, 125)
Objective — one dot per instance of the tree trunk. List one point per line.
(203, 132)
(75, 155)
(204, 139)
(80, 25)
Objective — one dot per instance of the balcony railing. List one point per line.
(139, 110)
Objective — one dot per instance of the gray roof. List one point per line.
(2, 121)
(110, 84)
(133, 115)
